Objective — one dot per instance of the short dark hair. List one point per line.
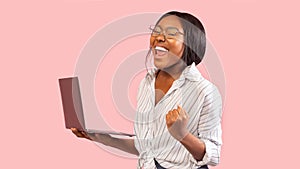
(194, 36)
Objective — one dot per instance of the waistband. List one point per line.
(158, 166)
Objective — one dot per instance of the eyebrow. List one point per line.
(168, 27)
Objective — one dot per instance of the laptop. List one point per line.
(73, 109)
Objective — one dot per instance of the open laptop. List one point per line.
(73, 109)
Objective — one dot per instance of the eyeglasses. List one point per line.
(170, 32)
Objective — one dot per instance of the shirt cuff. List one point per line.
(211, 156)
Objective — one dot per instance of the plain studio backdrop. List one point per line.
(257, 43)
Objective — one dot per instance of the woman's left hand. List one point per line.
(177, 120)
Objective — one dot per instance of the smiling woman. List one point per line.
(178, 116)
(192, 31)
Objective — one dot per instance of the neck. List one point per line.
(173, 71)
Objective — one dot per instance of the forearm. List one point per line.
(194, 145)
(126, 145)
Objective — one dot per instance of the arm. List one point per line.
(205, 148)
(194, 145)
(126, 145)
(176, 122)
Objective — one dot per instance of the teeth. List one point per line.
(161, 49)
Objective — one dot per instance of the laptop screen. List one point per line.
(72, 104)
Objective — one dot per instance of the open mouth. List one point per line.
(160, 51)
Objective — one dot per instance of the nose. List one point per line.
(161, 38)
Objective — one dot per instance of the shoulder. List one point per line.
(203, 86)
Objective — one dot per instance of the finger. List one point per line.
(77, 132)
(179, 109)
(74, 129)
(167, 116)
(175, 114)
(172, 119)
(168, 121)
(85, 135)
(172, 114)
(169, 112)
(184, 113)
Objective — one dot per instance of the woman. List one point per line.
(178, 118)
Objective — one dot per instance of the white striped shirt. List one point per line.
(200, 99)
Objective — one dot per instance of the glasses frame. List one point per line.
(163, 32)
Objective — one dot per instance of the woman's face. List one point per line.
(167, 49)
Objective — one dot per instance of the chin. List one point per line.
(159, 64)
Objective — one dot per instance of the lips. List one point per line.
(160, 51)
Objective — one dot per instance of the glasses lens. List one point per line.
(155, 30)
(171, 32)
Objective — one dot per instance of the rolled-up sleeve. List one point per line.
(209, 128)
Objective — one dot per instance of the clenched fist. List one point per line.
(177, 120)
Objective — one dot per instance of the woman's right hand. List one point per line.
(80, 134)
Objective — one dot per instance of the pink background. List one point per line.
(257, 42)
